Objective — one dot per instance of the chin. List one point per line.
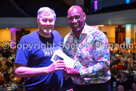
(77, 30)
(47, 31)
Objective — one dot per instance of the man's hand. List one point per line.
(71, 72)
(58, 65)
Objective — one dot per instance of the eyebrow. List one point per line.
(74, 15)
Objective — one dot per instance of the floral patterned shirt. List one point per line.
(92, 55)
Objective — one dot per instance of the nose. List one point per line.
(47, 23)
(74, 20)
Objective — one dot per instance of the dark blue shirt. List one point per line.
(36, 51)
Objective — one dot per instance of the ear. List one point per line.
(67, 18)
(37, 20)
(84, 16)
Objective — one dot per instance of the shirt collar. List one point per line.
(84, 31)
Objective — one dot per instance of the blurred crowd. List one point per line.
(7, 59)
(123, 68)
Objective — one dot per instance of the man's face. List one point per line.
(46, 22)
(76, 19)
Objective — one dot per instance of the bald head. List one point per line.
(76, 18)
(75, 9)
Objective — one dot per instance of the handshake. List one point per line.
(67, 65)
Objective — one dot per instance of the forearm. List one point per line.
(23, 71)
(101, 57)
(30, 72)
(97, 69)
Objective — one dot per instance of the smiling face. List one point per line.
(46, 22)
(76, 18)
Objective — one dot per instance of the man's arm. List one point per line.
(101, 57)
(23, 71)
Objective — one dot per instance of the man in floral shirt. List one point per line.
(89, 47)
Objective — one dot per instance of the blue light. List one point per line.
(128, 25)
(127, 41)
(127, 1)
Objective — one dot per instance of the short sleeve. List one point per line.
(22, 54)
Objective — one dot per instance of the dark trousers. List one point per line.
(43, 90)
(92, 87)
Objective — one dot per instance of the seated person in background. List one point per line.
(3, 66)
(1, 57)
(134, 83)
(14, 79)
(7, 75)
(113, 58)
(130, 61)
(121, 65)
(120, 88)
(124, 81)
(2, 79)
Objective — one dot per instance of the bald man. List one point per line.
(89, 47)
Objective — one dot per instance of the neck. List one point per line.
(77, 34)
(43, 34)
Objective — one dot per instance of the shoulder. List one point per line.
(57, 36)
(29, 37)
(99, 34)
(92, 31)
(54, 32)
(66, 37)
